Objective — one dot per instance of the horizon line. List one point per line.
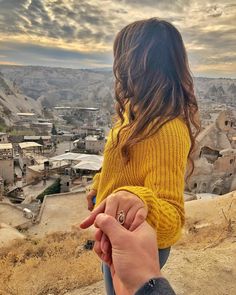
(108, 68)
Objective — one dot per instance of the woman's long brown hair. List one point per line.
(152, 79)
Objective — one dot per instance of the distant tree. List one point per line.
(54, 130)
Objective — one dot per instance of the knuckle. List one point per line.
(140, 217)
(106, 219)
(111, 197)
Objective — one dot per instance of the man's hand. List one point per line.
(90, 197)
(133, 207)
(133, 255)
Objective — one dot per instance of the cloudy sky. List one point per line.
(79, 33)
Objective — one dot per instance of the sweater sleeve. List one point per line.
(164, 171)
(96, 179)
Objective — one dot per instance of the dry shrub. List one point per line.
(200, 233)
(208, 235)
(47, 266)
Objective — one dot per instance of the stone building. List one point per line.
(94, 144)
(30, 153)
(41, 127)
(45, 140)
(27, 117)
(3, 137)
(6, 163)
(215, 158)
(66, 182)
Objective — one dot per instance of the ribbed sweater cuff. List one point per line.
(147, 196)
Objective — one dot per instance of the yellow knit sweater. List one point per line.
(155, 173)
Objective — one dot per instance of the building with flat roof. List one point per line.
(45, 140)
(42, 127)
(30, 153)
(94, 144)
(27, 117)
(6, 163)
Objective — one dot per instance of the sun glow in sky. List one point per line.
(80, 33)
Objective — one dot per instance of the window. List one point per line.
(210, 154)
(216, 191)
(231, 161)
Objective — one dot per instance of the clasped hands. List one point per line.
(135, 213)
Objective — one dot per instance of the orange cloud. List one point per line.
(9, 63)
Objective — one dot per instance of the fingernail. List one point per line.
(82, 222)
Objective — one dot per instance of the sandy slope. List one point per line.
(204, 261)
(13, 102)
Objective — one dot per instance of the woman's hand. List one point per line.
(90, 197)
(135, 211)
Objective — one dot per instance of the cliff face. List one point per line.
(13, 102)
(61, 86)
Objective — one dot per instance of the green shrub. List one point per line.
(55, 188)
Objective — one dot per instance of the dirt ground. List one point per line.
(11, 215)
(60, 213)
(203, 262)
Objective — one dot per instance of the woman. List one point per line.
(146, 155)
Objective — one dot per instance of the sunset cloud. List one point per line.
(80, 33)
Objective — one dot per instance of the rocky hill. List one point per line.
(220, 90)
(58, 86)
(13, 101)
(51, 87)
